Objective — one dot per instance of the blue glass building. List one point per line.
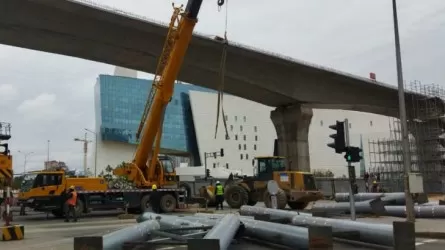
(121, 101)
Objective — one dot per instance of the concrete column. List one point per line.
(292, 126)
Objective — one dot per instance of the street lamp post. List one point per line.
(95, 151)
(403, 119)
(47, 152)
(85, 151)
(26, 159)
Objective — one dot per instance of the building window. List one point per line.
(321, 123)
(231, 127)
(241, 128)
(256, 137)
(236, 137)
(254, 147)
(241, 156)
(239, 146)
(245, 147)
(244, 118)
(255, 129)
(370, 123)
(236, 118)
(245, 137)
(247, 156)
(214, 165)
(227, 165)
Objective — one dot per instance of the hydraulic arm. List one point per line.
(141, 171)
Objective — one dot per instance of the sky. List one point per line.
(50, 97)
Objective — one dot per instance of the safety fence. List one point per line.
(330, 186)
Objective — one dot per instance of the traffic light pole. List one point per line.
(350, 173)
(208, 155)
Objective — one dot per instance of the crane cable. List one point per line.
(222, 70)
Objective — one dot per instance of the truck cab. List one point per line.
(45, 190)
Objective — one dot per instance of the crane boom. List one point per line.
(141, 171)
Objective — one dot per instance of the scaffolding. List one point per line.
(425, 109)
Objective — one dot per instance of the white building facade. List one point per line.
(250, 132)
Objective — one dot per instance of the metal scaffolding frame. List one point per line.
(426, 130)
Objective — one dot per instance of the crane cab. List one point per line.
(169, 176)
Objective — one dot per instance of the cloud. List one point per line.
(42, 107)
(7, 93)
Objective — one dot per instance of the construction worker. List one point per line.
(374, 186)
(219, 195)
(71, 204)
(155, 199)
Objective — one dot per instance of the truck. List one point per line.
(45, 190)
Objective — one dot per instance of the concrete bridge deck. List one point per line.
(77, 29)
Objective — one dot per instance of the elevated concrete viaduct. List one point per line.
(76, 29)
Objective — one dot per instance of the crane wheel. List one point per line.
(145, 203)
(297, 205)
(168, 203)
(281, 199)
(236, 196)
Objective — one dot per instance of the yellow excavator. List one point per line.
(45, 190)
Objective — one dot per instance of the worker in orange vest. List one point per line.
(71, 204)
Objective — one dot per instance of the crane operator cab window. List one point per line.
(167, 164)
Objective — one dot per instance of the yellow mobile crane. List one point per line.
(158, 170)
(44, 191)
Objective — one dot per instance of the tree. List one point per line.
(120, 182)
(17, 182)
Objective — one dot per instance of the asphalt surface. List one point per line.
(49, 233)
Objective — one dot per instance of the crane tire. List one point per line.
(168, 203)
(145, 202)
(236, 196)
(281, 199)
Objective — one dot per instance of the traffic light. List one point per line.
(353, 154)
(339, 143)
(207, 172)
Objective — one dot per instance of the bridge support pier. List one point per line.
(292, 126)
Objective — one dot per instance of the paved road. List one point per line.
(54, 234)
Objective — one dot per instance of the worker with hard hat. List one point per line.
(155, 199)
(219, 195)
(375, 186)
(70, 203)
